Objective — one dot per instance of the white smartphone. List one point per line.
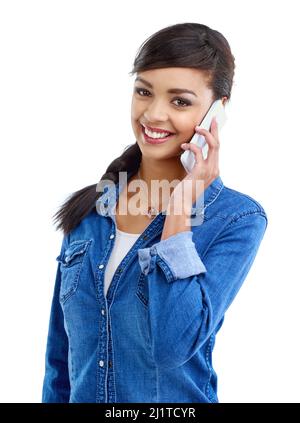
(216, 109)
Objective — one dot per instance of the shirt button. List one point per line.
(112, 236)
(103, 311)
(101, 266)
(101, 363)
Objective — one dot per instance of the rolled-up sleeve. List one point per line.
(179, 255)
(183, 314)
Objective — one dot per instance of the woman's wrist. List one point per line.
(176, 221)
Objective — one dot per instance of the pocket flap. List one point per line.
(76, 248)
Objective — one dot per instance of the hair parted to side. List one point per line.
(190, 45)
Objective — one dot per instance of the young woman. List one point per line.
(140, 296)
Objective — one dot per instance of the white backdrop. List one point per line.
(65, 97)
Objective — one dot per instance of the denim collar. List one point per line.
(106, 203)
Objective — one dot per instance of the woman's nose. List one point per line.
(156, 112)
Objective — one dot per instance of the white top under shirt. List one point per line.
(123, 242)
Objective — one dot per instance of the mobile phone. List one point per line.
(216, 109)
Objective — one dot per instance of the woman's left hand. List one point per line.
(205, 171)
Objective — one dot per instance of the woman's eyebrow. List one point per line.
(171, 90)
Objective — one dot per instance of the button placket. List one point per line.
(102, 265)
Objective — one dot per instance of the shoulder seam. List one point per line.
(259, 212)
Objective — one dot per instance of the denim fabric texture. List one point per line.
(151, 339)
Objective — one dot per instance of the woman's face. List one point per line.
(152, 105)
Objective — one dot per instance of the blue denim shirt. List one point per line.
(151, 339)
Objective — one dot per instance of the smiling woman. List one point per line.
(137, 303)
(193, 50)
(156, 112)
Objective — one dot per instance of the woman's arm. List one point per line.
(189, 295)
(56, 386)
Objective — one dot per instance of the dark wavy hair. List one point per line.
(190, 45)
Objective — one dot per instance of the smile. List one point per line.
(154, 132)
(154, 137)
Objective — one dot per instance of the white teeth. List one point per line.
(156, 134)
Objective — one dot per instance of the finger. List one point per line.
(211, 140)
(199, 159)
(214, 130)
(213, 144)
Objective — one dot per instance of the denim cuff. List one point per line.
(177, 256)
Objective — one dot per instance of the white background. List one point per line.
(65, 95)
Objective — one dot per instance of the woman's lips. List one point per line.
(150, 140)
(152, 129)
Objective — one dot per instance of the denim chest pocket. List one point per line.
(70, 265)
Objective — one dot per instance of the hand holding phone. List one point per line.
(217, 109)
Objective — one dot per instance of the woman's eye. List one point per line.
(138, 90)
(186, 103)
